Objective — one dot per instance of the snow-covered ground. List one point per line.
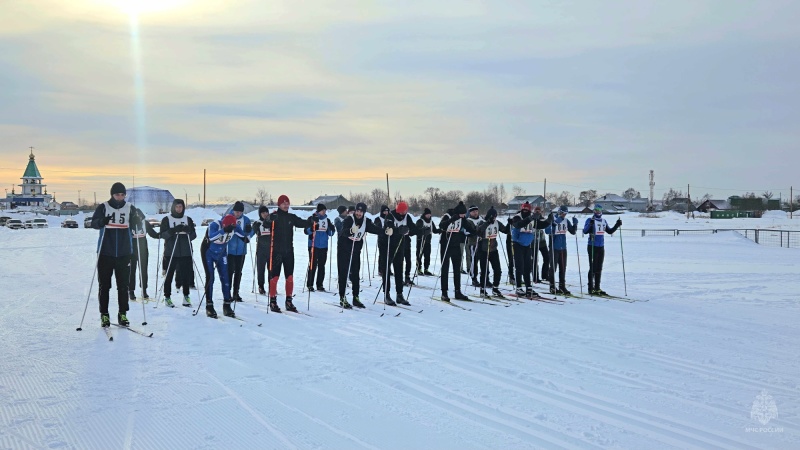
(682, 370)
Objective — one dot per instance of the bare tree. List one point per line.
(750, 195)
(631, 194)
(262, 197)
(767, 195)
(588, 196)
(517, 190)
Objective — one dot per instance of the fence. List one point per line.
(772, 238)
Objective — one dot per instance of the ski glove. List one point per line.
(229, 229)
(106, 220)
(315, 218)
(246, 240)
(179, 228)
(619, 223)
(248, 228)
(354, 229)
(389, 231)
(403, 230)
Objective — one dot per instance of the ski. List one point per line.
(439, 299)
(614, 297)
(365, 310)
(108, 333)
(133, 329)
(539, 298)
(238, 318)
(474, 300)
(403, 307)
(300, 312)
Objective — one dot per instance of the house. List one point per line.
(515, 204)
(579, 210)
(331, 201)
(69, 206)
(681, 205)
(621, 203)
(150, 200)
(714, 205)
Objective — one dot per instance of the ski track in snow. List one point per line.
(679, 371)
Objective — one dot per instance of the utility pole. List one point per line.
(204, 188)
(544, 194)
(791, 201)
(688, 201)
(652, 185)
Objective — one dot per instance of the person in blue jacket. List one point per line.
(318, 235)
(237, 249)
(114, 247)
(214, 251)
(524, 226)
(597, 227)
(559, 229)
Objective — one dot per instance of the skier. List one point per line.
(348, 252)
(510, 254)
(237, 249)
(282, 251)
(425, 231)
(487, 253)
(263, 230)
(337, 222)
(559, 229)
(452, 225)
(402, 226)
(140, 257)
(177, 230)
(318, 248)
(214, 251)
(113, 219)
(522, 233)
(472, 244)
(597, 227)
(540, 247)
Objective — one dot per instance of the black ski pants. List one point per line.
(119, 267)
(407, 256)
(451, 254)
(493, 259)
(560, 262)
(596, 257)
(510, 254)
(541, 249)
(523, 263)
(235, 266)
(262, 260)
(182, 267)
(343, 255)
(317, 262)
(424, 252)
(140, 255)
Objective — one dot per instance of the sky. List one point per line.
(329, 97)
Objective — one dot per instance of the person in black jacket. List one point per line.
(348, 252)
(524, 226)
(383, 240)
(425, 231)
(140, 257)
(488, 231)
(283, 224)
(178, 231)
(263, 231)
(452, 225)
(113, 218)
(401, 227)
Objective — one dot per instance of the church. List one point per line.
(32, 192)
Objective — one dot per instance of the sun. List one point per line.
(147, 7)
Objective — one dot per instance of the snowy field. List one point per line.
(688, 368)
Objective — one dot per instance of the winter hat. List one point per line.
(118, 188)
(526, 206)
(402, 207)
(283, 199)
(427, 211)
(321, 207)
(384, 208)
(361, 207)
(598, 208)
(238, 206)
(341, 209)
(472, 208)
(461, 208)
(351, 209)
(228, 220)
(563, 209)
(491, 213)
(262, 209)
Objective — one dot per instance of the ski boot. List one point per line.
(105, 321)
(428, 273)
(512, 281)
(460, 296)
(187, 301)
(261, 291)
(321, 289)
(408, 281)
(420, 272)
(553, 290)
(289, 305)
(445, 298)
(273, 305)
(483, 293)
(131, 296)
(389, 302)
(168, 302)
(122, 319)
(402, 300)
(145, 296)
(227, 310)
(237, 298)
(564, 291)
(343, 303)
(600, 292)
(496, 293)
(357, 303)
(475, 282)
(529, 293)
(310, 288)
(210, 311)
(520, 292)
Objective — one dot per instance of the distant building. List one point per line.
(535, 200)
(331, 201)
(149, 199)
(33, 191)
(621, 203)
(714, 205)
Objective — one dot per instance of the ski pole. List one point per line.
(158, 262)
(349, 264)
(139, 260)
(624, 279)
(441, 268)
(384, 285)
(169, 266)
(416, 272)
(250, 248)
(330, 261)
(311, 264)
(96, 262)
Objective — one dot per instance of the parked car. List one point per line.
(206, 222)
(69, 223)
(36, 223)
(15, 224)
(3, 220)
